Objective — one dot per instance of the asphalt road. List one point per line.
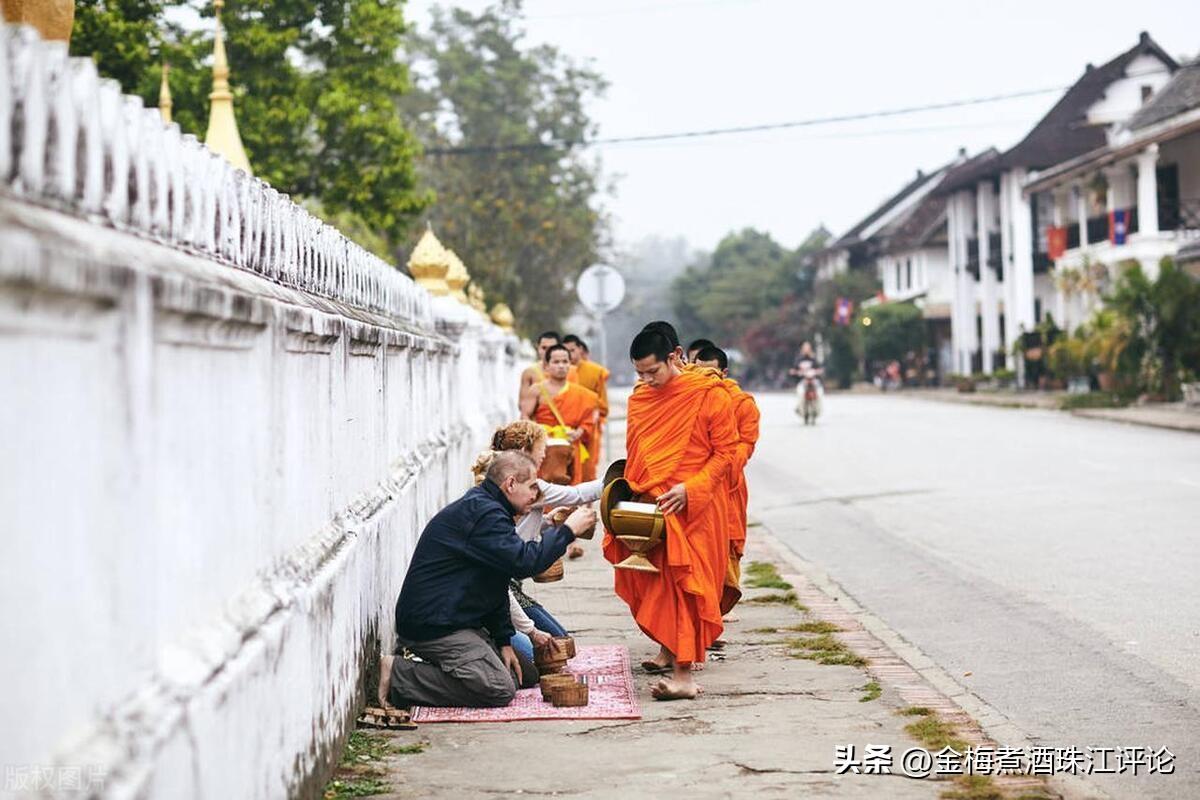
(1055, 559)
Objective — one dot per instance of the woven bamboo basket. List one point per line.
(548, 682)
(553, 573)
(566, 644)
(549, 659)
(569, 695)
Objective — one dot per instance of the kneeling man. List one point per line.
(453, 610)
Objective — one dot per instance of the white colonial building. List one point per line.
(998, 217)
(1149, 172)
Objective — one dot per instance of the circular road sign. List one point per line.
(600, 288)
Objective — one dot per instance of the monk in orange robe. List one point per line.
(532, 375)
(564, 405)
(681, 439)
(589, 375)
(745, 411)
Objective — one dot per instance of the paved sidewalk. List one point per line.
(1169, 416)
(1172, 416)
(766, 724)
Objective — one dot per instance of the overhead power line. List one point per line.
(564, 144)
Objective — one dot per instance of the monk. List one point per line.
(681, 440)
(696, 346)
(566, 409)
(668, 330)
(589, 375)
(527, 393)
(745, 411)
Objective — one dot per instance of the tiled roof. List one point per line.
(1182, 93)
(854, 234)
(1064, 132)
(918, 226)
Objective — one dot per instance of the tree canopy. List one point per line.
(315, 85)
(526, 221)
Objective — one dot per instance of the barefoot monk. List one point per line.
(745, 411)
(681, 438)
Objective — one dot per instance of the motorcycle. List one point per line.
(808, 395)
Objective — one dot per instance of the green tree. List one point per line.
(747, 275)
(844, 343)
(895, 330)
(528, 220)
(1163, 324)
(315, 84)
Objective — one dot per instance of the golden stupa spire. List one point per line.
(164, 95)
(430, 263)
(223, 136)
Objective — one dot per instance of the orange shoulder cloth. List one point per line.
(659, 427)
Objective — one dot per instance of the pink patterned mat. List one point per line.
(611, 694)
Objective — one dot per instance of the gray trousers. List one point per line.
(461, 669)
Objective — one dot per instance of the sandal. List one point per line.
(392, 719)
(654, 668)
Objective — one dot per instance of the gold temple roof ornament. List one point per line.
(223, 136)
(164, 95)
(476, 299)
(53, 19)
(502, 315)
(429, 264)
(457, 277)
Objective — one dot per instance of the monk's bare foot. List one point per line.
(575, 551)
(385, 679)
(671, 689)
(697, 666)
(663, 662)
(731, 617)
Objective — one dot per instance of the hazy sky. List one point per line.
(677, 65)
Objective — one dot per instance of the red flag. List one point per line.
(1056, 241)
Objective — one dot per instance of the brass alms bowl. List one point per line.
(639, 529)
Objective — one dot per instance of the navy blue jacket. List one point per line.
(459, 574)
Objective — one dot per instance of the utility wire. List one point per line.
(564, 144)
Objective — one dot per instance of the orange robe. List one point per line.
(684, 432)
(745, 412)
(577, 407)
(591, 375)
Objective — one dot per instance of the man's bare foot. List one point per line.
(385, 679)
(575, 550)
(671, 689)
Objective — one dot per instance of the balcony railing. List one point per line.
(1179, 215)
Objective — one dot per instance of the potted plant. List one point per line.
(964, 383)
(1069, 360)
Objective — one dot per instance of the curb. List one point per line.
(901, 666)
(1098, 414)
